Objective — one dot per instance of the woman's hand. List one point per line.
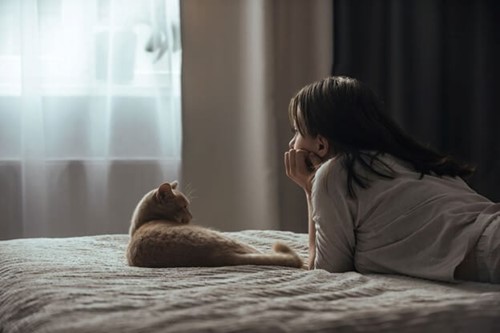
(301, 165)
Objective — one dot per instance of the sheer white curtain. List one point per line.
(242, 62)
(89, 112)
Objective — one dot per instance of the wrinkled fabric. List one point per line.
(83, 284)
(410, 225)
(487, 253)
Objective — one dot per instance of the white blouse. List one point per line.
(421, 227)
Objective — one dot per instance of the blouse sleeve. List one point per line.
(335, 237)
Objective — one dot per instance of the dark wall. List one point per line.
(436, 64)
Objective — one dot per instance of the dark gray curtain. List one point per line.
(436, 64)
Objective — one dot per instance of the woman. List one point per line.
(380, 202)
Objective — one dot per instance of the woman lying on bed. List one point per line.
(379, 202)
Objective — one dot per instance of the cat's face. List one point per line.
(173, 201)
(166, 203)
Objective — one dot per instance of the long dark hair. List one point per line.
(350, 116)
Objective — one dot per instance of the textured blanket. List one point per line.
(83, 284)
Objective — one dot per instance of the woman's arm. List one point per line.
(335, 241)
(312, 233)
(300, 167)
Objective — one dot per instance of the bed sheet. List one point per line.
(83, 284)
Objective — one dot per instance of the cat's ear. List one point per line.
(164, 191)
(174, 184)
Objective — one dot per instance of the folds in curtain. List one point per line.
(436, 65)
(242, 62)
(89, 112)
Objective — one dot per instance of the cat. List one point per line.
(161, 236)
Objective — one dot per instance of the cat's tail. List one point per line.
(283, 255)
(282, 248)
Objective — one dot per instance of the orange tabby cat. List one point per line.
(161, 236)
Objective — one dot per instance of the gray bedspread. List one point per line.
(83, 284)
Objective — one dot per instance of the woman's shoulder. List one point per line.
(329, 175)
(327, 167)
(337, 164)
(333, 173)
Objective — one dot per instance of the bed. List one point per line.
(83, 284)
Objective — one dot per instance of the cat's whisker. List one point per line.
(190, 192)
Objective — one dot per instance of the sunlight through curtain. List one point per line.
(89, 112)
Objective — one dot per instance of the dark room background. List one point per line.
(435, 63)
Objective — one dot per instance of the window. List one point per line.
(89, 112)
(77, 47)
